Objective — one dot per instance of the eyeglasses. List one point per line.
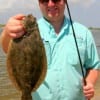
(46, 1)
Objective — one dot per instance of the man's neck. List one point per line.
(57, 25)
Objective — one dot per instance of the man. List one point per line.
(64, 79)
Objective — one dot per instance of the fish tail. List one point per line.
(26, 96)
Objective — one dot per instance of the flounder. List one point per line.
(26, 59)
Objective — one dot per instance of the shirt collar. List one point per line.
(64, 26)
(49, 30)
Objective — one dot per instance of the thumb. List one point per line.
(19, 16)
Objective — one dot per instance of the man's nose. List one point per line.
(51, 3)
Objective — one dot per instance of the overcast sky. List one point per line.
(83, 11)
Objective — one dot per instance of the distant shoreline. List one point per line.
(2, 25)
(91, 28)
(94, 28)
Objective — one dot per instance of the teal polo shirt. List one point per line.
(64, 76)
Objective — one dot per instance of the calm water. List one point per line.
(8, 91)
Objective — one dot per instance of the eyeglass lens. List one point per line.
(46, 1)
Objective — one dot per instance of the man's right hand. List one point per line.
(13, 29)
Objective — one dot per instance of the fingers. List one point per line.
(19, 16)
(14, 27)
(88, 91)
(17, 35)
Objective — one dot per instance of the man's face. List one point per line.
(52, 10)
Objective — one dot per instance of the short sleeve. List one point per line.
(91, 56)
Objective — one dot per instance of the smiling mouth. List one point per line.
(53, 9)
